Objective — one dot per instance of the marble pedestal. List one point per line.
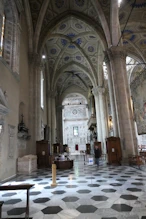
(27, 164)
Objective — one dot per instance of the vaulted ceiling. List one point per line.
(73, 40)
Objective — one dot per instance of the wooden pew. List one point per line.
(136, 160)
(19, 187)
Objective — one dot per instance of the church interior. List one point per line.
(72, 76)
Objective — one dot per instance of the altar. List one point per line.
(63, 162)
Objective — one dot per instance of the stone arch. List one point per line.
(85, 70)
(47, 32)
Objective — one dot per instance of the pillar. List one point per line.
(111, 95)
(121, 91)
(101, 115)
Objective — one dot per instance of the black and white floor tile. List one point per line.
(86, 191)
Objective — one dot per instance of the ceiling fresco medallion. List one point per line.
(80, 2)
(138, 4)
(59, 3)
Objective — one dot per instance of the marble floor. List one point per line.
(86, 191)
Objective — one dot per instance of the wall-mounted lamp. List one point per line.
(43, 56)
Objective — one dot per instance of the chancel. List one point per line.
(73, 76)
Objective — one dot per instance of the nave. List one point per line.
(86, 191)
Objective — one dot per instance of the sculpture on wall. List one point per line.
(22, 130)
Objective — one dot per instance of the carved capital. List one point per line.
(98, 90)
(116, 52)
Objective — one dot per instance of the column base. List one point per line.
(125, 161)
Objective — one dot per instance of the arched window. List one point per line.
(2, 35)
(42, 90)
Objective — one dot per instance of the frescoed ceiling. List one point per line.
(74, 37)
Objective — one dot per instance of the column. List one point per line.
(34, 101)
(53, 117)
(99, 95)
(59, 124)
(111, 95)
(117, 58)
(98, 116)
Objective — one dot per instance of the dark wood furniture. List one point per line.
(19, 187)
(43, 152)
(56, 149)
(88, 148)
(136, 160)
(64, 164)
(114, 150)
(1, 203)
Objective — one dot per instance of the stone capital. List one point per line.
(115, 52)
(98, 90)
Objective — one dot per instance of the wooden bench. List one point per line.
(1, 203)
(18, 187)
(136, 160)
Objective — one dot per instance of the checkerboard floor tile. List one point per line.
(86, 191)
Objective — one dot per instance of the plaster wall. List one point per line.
(9, 153)
(23, 145)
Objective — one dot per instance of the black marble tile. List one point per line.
(108, 190)
(43, 183)
(134, 190)
(90, 177)
(35, 180)
(34, 193)
(12, 201)
(99, 198)
(52, 210)
(9, 194)
(82, 181)
(50, 187)
(16, 211)
(84, 191)
(62, 182)
(121, 207)
(116, 184)
(41, 200)
(93, 185)
(71, 186)
(121, 180)
(70, 199)
(59, 192)
(86, 209)
(129, 197)
(109, 218)
(139, 179)
(137, 184)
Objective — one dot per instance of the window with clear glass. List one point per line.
(42, 90)
(2, 35)
(75, 131)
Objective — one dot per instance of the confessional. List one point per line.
(114, 151)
